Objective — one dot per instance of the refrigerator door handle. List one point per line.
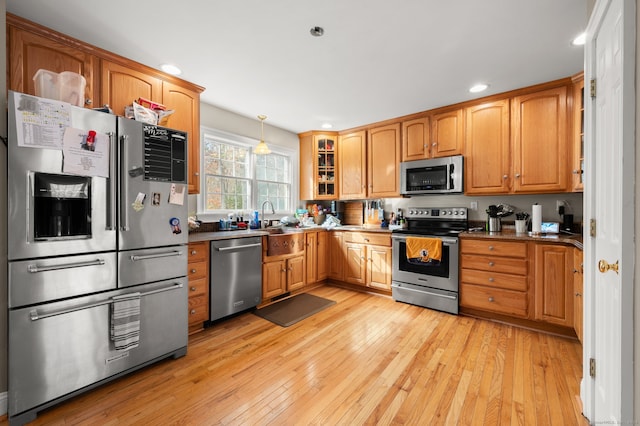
(135, 258)
(36, 268)
(34, 316)
(124, 185)
(111, 194)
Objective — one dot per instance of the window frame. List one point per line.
(250, 143)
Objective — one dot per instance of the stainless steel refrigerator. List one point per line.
(97, 234)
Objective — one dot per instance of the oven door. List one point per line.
(441, 275)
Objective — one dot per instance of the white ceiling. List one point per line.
(378, 59)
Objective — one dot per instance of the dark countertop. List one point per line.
(508, 234)
(226, 235)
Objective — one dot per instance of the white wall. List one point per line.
(636, 305)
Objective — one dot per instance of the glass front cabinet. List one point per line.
(318, 166)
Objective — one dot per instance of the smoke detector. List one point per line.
(316, 31)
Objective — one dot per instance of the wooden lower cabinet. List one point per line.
(282, 275)
(578, 291)
(494, 276)
(554, 284)
(336, 255)
(198, 275)
(316, 256)
(536, 284)
(368, 259)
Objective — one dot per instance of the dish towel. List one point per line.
(424, 249)
(125, 321)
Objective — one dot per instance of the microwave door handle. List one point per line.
(124, 184)
(111, 183)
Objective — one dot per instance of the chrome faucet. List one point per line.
(273, 211)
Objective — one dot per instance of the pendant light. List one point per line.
(261, 148)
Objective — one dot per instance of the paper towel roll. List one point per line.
(536, 218)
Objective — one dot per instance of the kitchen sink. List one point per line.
(284, 241)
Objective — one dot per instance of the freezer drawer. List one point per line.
(59, 348)
(149, 265)
(44, 280)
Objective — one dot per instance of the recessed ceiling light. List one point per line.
(480, 87)
(580, 40)
(171, 69)
(327, 126)
(316, 31)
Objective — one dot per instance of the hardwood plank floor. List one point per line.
(364, 360)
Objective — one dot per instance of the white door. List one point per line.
(609, 205)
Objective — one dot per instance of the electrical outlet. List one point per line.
(559, 203)
(474, 205)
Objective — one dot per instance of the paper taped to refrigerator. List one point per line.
(85, 153)
(40, 123)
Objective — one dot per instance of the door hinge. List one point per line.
(592, 88)
(592, 367)
(592, 227)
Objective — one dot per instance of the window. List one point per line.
(235, 179)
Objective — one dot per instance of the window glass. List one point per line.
(236, 179)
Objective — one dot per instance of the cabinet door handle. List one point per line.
(88, 102)
(366, 239)
(193, 289)
(578, 294)
(490, 247)
(491, 279)
(505, 177)
(194, 252)
(491, 299)
(491, 264)
(193, 271)
(193, 312)
(196, 173)
(517, 175)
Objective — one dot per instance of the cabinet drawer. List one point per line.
(494, 279)
(198, 311)
(493, 247)
(198, 251)
(198, 286)
(493, 263)
(197, 270)
(367, 238)
(495, 300)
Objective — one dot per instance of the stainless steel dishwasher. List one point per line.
(236, 276)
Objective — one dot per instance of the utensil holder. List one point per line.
(495, 224)
(521, 226)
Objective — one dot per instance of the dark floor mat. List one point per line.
(289, 311)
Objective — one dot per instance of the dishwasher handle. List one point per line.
(33, 314)
(238, 247)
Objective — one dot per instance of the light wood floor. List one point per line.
(365, 360)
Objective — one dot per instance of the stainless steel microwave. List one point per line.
(433, 176)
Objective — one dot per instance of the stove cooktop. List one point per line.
(448, 221)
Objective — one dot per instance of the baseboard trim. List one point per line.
(3, 403)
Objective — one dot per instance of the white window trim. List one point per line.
(250, 143)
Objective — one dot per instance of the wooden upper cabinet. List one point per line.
(577, 168)
(111, 79)
(541, 152)
(186, 104)
(447, 133)
(415, 139)
(319, 177)
(122, 85)
(383, 161)
(29, 52)
(487, 148)
(352, 165)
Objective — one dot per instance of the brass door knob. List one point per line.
(605, 266)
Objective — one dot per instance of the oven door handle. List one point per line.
(445, 240)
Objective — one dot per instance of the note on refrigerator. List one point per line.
(40, 123)
(85, 153)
